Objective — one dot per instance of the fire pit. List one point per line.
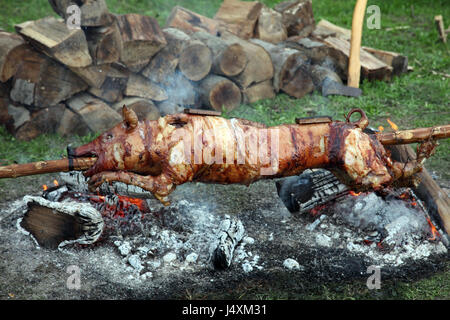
(148, 250)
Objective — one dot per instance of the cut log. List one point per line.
(219, 93)
(436, 199)
(258, 91)
(42, 121)
(270, 26)
(139, 86)
(51, 36)
(230, 235)
(240, 16)
(145, 109)
(93, 75)
(195, 60)
(259, 67)
(8, 64)
(285, 62)
(190, 22)
(142, 38)
(105, 43)
(163, 65)
(298, 17)
(72, 124)
(42, 82)
(371, 67)
(56, 224)
(398, 62)
(114, 84)
(229, 59)
(325, 29)
(319, 53)
(94, 13)
(80, 100)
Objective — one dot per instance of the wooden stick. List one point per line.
(414, 135)
(439, 20)
(41, 167)
(354, 66)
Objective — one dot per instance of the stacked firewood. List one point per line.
(54, 78)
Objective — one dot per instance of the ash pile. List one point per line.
(214, 237)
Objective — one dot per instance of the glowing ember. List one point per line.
(353, 193)
(381, 128)
(55, 183)
(435, 234)
(45, 187)
(393, 125)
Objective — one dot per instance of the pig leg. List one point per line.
(409, 168)
(160, 186)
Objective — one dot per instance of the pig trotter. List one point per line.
(157, 185)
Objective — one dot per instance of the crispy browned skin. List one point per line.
(159, 155)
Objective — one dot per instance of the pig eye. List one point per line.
(109, 136)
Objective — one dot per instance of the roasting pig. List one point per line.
(161, 154)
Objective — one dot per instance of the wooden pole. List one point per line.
(41, 167)
(354, 66)
(414, 135)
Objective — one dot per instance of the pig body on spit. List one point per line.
(161, 154)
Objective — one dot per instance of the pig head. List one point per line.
(124, 147)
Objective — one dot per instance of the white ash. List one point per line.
(292, 264)
(324, 240)
(369, 212)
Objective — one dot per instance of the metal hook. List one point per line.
(363, 122)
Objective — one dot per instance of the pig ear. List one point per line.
(130, 117)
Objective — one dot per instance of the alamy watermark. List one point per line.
(73, 20)
(374, 281)
(374, 20)
(74, 280)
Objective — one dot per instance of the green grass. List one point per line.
(417, 99)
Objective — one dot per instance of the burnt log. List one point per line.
(56, 224)
(231, 233)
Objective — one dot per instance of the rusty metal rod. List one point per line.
(40, 167)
